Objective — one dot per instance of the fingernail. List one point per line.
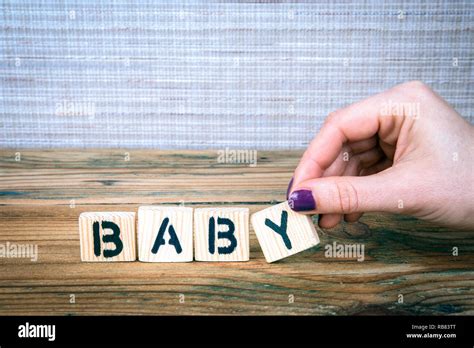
(302, 200)
(289, 187)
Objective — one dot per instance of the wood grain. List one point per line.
(42, 196)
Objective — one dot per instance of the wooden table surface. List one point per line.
(43, 193)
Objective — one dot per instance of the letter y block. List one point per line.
(281, 232)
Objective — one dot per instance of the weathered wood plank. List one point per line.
(402, 255)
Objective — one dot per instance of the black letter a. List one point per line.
(159, 241)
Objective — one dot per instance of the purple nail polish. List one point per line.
(302, 200)
(289, 187)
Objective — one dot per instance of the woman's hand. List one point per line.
(402, 151)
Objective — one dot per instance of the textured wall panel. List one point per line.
(209, 75)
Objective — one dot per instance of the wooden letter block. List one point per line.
(165, 234)
(108, 236)
(221, 234)
(281, 232)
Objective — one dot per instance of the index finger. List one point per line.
(357, 122)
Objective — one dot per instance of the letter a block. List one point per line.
(108, 236)
(281, 232)
(165, 234)
(221, 234)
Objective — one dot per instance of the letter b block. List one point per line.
(281, 232)
(108, 236)
(221, 234)
(165, 234)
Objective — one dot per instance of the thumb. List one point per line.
(349, 194)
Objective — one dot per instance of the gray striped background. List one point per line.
(152, 74)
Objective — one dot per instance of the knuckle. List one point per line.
(413, 90)
(416, 85)
(332, 117)
(348, 198)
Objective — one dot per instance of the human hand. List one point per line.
(405, 150)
